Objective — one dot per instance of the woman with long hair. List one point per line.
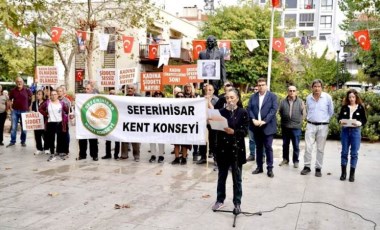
(352, 117)
(39, 135)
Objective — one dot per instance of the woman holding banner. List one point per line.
(55, 114)
(153, 146)
(230, 150)
(39, 135)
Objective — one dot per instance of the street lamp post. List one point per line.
(337, 68)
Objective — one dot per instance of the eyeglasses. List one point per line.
(292, 90)
(227, 85)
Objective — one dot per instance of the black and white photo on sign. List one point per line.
(208, 69)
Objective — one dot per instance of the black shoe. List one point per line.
(251, 158)
(183, 161)
(152, 159)
(344, 172)
(81, 158)
(1, 143)
(237, 209)
(95, 158)
(23, 144)
(270, 173)
(202, 161)
(305, 171)
(176, 161)
(116, 157)
(318, 173)
(257, 171)
(106, 157)
(10, 144)
(160, 159)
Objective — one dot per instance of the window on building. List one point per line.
(290, 21)
(322, 36)
(111, 43)
(306, 20)
(327, 4)
(308, 4)
(290, 4)
(262, 1)
(290, 34)
(326, 21)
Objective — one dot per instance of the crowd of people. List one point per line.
(227, 147)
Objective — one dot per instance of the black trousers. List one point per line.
(237, 181)
(108, 148)
(83, 148)
(3, 117)
(53, 130)
(39, 136)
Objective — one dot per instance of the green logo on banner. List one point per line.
(99, 115)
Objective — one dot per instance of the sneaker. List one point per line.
(201, 161)
(318, 173)
(295, 165)
(305, 171)
(284, 162)
(160, 159)
(63, 156)
(217, 206)
(251, 158)
(52, 158)
(38, 152)
(183, 161)
(47, 151)
(176, 161)
(137, 159)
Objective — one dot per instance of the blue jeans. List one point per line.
(252, 143)
(16, 117)
(350, 136)
(293, 135)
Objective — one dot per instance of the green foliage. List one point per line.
(238, 24)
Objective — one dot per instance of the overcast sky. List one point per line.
(174, 6)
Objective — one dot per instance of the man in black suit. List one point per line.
(262, 109)
(212, 53)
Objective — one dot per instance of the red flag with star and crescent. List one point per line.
(198, 46)
(362, 36)
(279, 44)
(153, 49)
(276, 3)
(56, 34)
(128, 44)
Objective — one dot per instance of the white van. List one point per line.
(354, 85)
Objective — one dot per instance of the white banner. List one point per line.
(32, 121)
(141, 119)
(175, 48)
(47, 75)
(107, 77)
(103, 41)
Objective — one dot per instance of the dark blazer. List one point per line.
(268, 112)
(359, 114)
(231, 147)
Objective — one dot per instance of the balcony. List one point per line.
(186, 56)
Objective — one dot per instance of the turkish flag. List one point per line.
(79, 75)
(362, 36)
(128, 44)
(56, 34)
(279, 44)
(276, 3)
(153, 51)
(198, 46)
(14, 31)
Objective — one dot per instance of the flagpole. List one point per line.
(270, 49)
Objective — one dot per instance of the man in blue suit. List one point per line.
(262, 109)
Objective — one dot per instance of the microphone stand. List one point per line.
(235, 174)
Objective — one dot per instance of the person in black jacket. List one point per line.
(352, 117)
(230, 150)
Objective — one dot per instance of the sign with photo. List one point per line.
(208, 69)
